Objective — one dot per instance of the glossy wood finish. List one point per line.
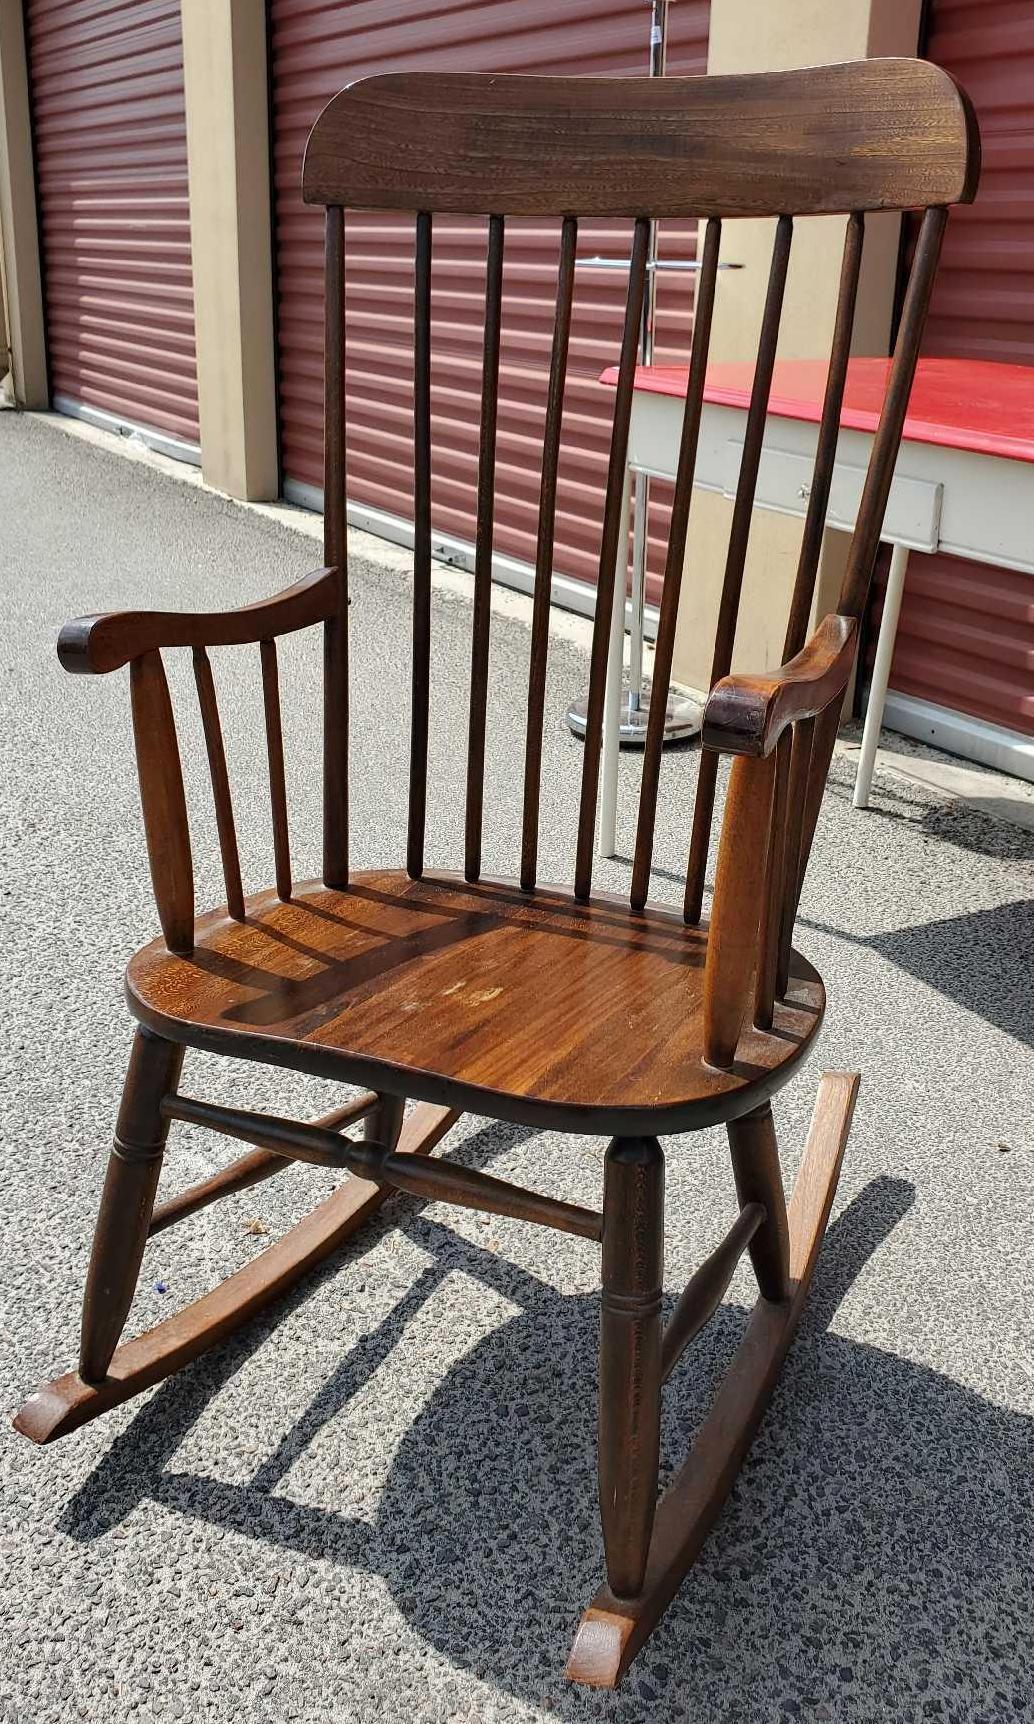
(732, 946)
(531, 1007)
(63, 1405)
(383, 1124)
(748, 714)
(630, 1356)
(793, 839)
(225, 825)
(376, 1161)
(613, 1629)
(95, 645)
(421, 548)
(483, 552)
(335, 555)
(545, 1006)
(755, 1165)
(162, 801)
(875, 134)
(127, 1200)
(775, 893)
(275, 762)
(544, 555)
(246, 1171)
(612, 516)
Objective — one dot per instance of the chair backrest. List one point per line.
(875, 135)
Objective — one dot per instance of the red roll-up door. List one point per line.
(966, 636)
(320, 45)
(110, 130)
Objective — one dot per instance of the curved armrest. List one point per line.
(93, 645)
(748, 714)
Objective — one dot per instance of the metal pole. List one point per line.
(881, 673)
(641, 518)
(658, 63)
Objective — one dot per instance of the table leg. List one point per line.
(881, 674)
(607, 841)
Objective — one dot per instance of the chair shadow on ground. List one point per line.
(980, 960)
(877, 1541)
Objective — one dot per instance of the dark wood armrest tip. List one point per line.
(73, 646)
(748, 714)
(735, 718)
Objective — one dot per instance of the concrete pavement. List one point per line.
(379, 1504)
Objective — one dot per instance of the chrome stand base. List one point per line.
(682, 718)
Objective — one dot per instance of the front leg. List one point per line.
(128, 1200)
(630, 1356)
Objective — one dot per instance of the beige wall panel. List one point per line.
(224, 57)
(19, 240)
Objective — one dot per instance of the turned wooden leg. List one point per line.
(127, 1201)
(384, 1124)
(613, 1629)
(755, 1166)
(630, 1356)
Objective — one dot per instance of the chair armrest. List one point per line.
(748, 714)
(93, 645)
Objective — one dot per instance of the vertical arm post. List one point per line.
(335, 556)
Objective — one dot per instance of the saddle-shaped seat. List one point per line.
(525, 1006)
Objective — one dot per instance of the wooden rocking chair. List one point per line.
(561, 1009)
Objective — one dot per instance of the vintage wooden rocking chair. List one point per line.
(559, 1009)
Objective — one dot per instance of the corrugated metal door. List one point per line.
(110, 131)
(319, 45)
(966, 636)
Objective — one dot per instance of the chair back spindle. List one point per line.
(865, 541)
(225, 825)
(796, 804)
(162, 800)
(674, 561)
(608, 559)
(421, 548)
(335, 556)
(544, 553)
(275, 758)
(826, 447)
(483, 552)
(775, 891)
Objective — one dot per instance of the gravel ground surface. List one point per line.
(380, 1504)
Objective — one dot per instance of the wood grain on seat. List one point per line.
(537, 1008)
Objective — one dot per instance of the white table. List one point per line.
(964, 483)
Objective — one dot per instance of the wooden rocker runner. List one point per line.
(559, 1008)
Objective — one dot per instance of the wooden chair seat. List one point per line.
(534, 1008)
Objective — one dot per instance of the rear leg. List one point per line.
(755, 1166)
(384, 1124)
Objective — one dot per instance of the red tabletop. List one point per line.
(956, 403)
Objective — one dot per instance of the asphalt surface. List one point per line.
(379, 1504)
